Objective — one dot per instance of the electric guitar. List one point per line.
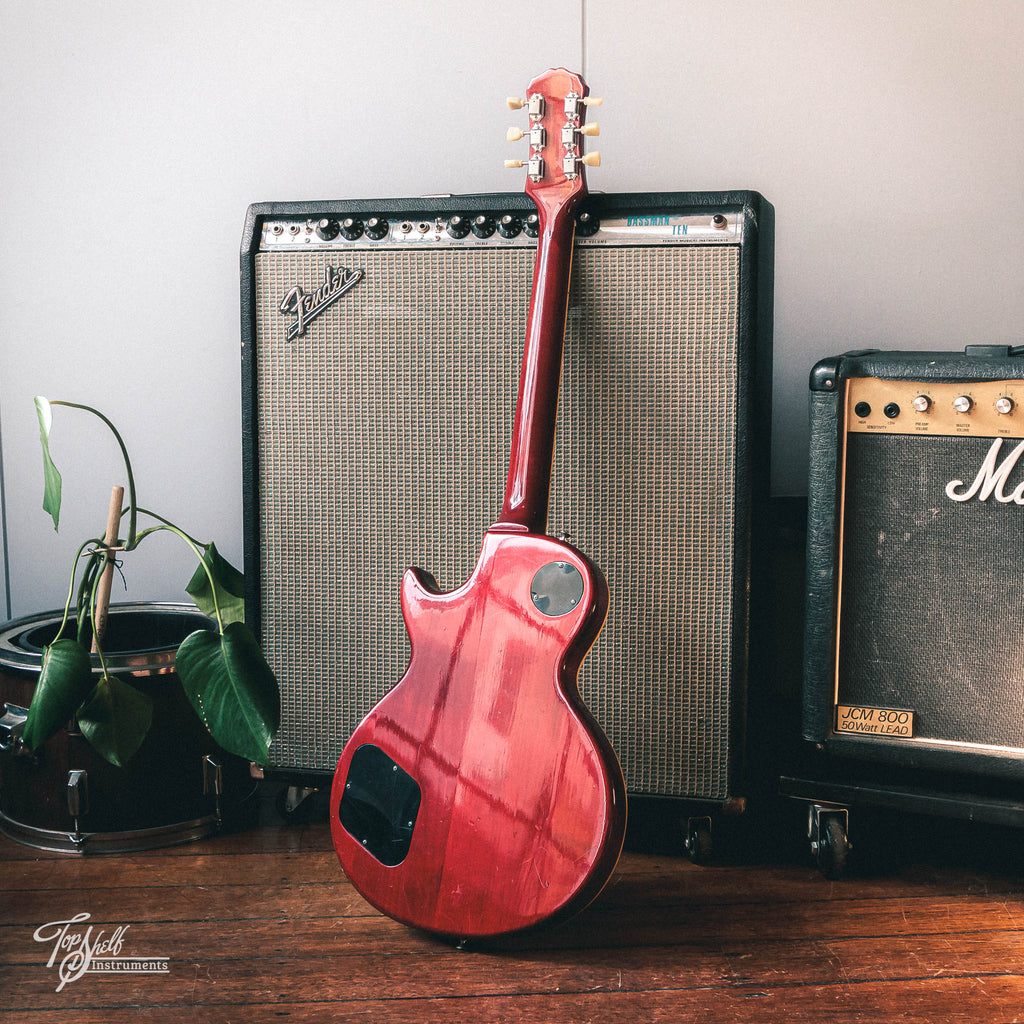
(479, 797)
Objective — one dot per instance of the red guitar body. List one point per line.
(479, 797)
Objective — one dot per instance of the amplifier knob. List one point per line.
(1004, 406)
(458, 227)
(509, 226)
(963, 403)
(351, 228)
(922, 403)
(377, 228)
(532, 225)
(327, 229)
(587, 224)
(483, 226)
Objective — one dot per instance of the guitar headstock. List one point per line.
(555, 103)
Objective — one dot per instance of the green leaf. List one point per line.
(232, 688)
(64, 682)
(115, 719)
(51, 475)
(229, 583)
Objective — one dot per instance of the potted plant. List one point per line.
(222, 669)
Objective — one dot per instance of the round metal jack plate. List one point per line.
(557, 588)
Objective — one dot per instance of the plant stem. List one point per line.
(198, 548)
(85, 588)
(195, 546)
(166, 523)
(131, 541)
(71, 587)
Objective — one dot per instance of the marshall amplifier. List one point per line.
(914, 649)
(382, 342)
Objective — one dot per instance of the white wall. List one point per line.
(888, 135)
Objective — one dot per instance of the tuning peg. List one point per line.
(591, 128)
(592, 159)
(515, 103)
(514, 134)
(513, 163)
(593, 101)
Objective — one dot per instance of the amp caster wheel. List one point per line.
(698, 840)
(295, 804)
(827, 829)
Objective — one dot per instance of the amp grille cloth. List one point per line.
(384, 435)
(933, 594)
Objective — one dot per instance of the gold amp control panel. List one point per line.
(991, 408)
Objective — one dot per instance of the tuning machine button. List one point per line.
(509, 226)
(963, 403)
(483, 226)
(534, 103)
(377, 228)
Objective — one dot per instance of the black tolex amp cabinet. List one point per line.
(914, 648)
(381, 349)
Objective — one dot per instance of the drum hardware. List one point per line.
(78, 799)
(66, 798)
(12, 724)
(213, 783)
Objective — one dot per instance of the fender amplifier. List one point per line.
(915, 608)
(381, 347)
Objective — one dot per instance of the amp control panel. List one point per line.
(991, 408)
(494, 227)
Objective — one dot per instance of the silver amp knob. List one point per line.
(922, 403)
(1004, 406)
(963, 403)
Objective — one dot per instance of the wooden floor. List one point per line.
(261, 925)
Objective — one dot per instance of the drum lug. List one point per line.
(12, 725)
(78, 797)
(213, 783)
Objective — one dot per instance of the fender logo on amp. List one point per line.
(306, 307)
(991, 478)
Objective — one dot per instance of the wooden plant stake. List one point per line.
(110, 542)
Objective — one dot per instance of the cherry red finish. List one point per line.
(557, 199)
(522, 807)
(522, 803)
